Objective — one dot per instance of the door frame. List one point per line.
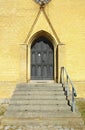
(28, 59)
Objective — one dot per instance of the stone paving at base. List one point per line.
(36, 128)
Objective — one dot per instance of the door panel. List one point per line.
(42, 59)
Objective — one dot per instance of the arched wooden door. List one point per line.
(42, 59)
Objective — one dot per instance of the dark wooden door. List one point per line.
(42, 62)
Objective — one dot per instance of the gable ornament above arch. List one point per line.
(42, 2)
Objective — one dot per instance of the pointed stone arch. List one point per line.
(50, 38)
(42, 33)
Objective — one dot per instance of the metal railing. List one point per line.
(68, 88)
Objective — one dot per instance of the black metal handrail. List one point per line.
(66, 82)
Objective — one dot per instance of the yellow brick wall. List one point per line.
(16, 19)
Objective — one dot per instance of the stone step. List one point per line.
(37, 107)
(39, 85)
(44, 121)
(35, 88)
(36, 102)
(44, 97)
(39, 114)
(38, 92)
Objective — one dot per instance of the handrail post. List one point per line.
(62, 75)
(73, 100)
(67, 86)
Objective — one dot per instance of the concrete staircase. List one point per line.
(40, 107)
